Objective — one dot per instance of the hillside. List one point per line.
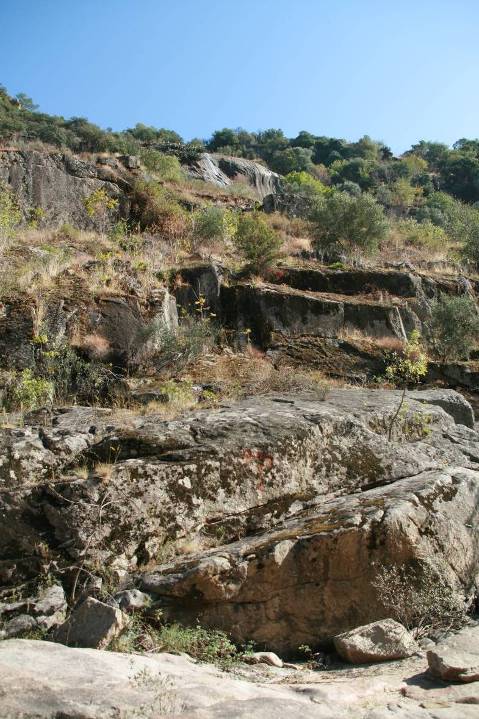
(238, 382)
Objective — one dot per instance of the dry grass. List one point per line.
(250, 373)
(386, 343)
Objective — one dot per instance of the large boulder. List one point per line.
(313, 575)
(310, 490)
(379, 641)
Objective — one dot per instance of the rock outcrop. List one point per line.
(222, 170)
(59, 182)
(306, 496)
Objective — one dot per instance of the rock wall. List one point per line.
(58, 184)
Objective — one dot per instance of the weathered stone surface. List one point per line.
(235, 470)
(223, 171)
(49, 681)
(376, 642)
(456, 658)
(452, 402)
(268, 309)
(58, 183)
(287, 587)
(92, 624)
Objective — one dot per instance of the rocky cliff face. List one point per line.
(59, 182)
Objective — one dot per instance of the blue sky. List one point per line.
(398, 71)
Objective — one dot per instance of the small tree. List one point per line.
(257, 241)
(454, 327)
(405, 369)
(355, 225)
(99, 206)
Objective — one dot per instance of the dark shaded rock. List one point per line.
(265, 309)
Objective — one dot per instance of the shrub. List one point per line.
(257, 242)
(206, 645)
(420, 598)
(10, 215)
(173, 348)
(59, 375)
(421, 234)
(354, 225)
(166, 167)
(454, 327)
(27, 392)
(214, 223)
(156, 208)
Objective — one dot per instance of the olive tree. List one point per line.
(353, 225)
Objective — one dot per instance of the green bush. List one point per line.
(170, 349)
(166, 167)
(27, 392)
(421, 234)
(99, 206)
(454, 327)
(353, 225)
(257, 242)
(206, 645)
(214, 223)
(157, 208)
(10, 214)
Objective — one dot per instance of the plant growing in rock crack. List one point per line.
(405, 369)
(164, 700)
(99, 206)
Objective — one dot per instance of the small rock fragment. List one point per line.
(264, 658)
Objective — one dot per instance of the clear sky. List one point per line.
(398, 70)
